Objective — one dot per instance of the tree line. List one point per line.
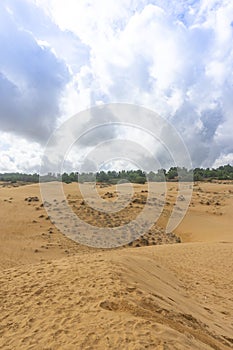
(224, 172)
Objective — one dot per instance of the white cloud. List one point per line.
(223, 160)
(18, 154)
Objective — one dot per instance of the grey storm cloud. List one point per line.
(66, 44)
(32, 77)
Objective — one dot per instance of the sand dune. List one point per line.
(57, 294)
(147, 298)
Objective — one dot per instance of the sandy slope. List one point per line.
(166, 297)
(56, 294)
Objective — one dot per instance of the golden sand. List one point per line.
(57, 294)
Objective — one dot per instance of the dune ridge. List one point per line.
(127, 299)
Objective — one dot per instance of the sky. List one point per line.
(58, 58)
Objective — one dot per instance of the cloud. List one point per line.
(32, 78)
(63, 43)
(178, 65)
(175, 57)
(19, 155)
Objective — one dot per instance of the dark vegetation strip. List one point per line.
(224, 172)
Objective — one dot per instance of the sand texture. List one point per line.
(58, 294)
